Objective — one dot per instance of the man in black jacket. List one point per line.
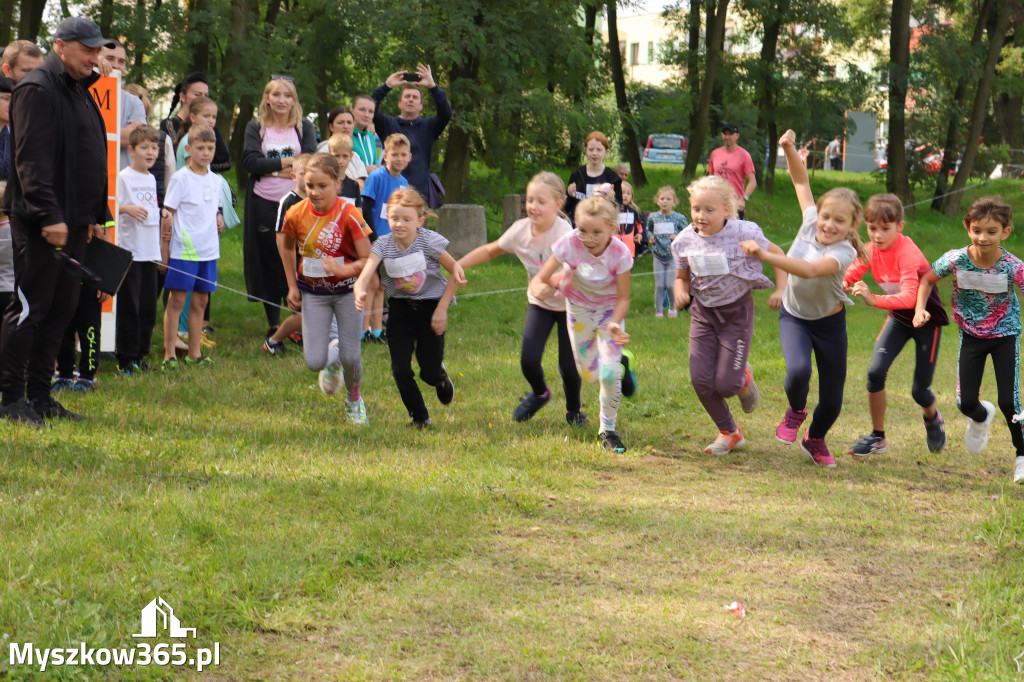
(57, 200)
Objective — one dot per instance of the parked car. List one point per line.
(665, 148)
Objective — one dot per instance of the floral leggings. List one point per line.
(597, 356)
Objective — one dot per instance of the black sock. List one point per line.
(878, 434)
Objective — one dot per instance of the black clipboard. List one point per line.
(108, 263)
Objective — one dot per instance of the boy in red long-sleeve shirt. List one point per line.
(897, 265)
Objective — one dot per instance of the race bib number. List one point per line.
(990, 283)
(405, 266)
(707, 264)
(664, 228)
(313, 268)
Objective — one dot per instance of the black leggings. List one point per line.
(826, 338)
(1005, 352)
(86, 324)
(890, 342)
(409, 332)
(536, 331)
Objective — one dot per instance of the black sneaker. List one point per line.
(530, 405)
(577, 419)
(22, 412)
(628, 378)
(446, 389)
(867, 445)
(275, 348)
(48, 408)
(611, 441)
(936, 432)
(419, 424)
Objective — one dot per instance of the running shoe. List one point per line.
(356, 411)
(628, 377)
(446, 389)
(201, 361)
(976, 435)
(726, 442)
(275, 348)
(577, 419)
(1018, 474)
(816, 448)
(787, 430)
(48, 408)
(867, 445)
(22, 412)
(611, 441)
(530, 405)
(936, 432)
(750, 396)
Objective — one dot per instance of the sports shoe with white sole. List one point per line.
(726, 442)
(356, 412)
(1018, 473)
(750, 396)
(976, 435)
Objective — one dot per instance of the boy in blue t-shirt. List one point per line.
(379, 187)
(382, 182)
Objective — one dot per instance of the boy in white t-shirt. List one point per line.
(194, 201)
(138, 230)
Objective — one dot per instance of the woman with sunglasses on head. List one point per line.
(272, 141)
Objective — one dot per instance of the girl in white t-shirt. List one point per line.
(530, 239)
(596, 289)
(812, 318)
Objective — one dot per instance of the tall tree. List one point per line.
(767, 126)
(896, 178)
(625, 117)
(996, 37)
(31, 19)
(715, 36)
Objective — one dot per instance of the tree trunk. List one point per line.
(698, 132)
(766, 125)
(956, 115)
(199, 46)
(6, 21)
(996, 37)
(589, 31)
(455, 169)
(636, 168)
(31, 19)
(1008, 108)
(692, 54)
(896, 178)
(106, 16)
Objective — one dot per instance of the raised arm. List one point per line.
(797, 171)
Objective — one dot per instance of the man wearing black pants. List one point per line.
(57, 199)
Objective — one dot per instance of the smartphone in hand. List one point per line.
(412, 77)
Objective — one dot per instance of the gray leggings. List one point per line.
(318, 312)
(664, 277)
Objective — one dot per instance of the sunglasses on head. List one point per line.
(279, 77)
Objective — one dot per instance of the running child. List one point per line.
(985, 308)
(333, 243)
(714, 277)
(631, 222)
(194, 201)
(596, 289)
(291, 327)
(585, 179)
(812, 319)
(897, 266)
(663, 228)
(419, 296)
(530, 239)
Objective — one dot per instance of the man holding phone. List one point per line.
(421, 131)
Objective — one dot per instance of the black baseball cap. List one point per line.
(83, 30)
(730, 128)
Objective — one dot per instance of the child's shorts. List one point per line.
(191, 275)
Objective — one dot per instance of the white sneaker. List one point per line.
(1018, 474)
(976, 435)
(356, 412)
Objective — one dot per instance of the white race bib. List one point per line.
(384, 211)
(626, 218)
(590, 190)
(707, 264)
(664, 228)
(405, 266)
(990, 283)
(314, 268)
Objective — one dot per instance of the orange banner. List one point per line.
(107, 93)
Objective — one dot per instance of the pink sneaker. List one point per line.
(790, 425)
(659, 315)
(673, 312)
(816, 448)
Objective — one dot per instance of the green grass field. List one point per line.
(484, 549)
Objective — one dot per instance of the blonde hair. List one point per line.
(320, 163)
(396, 141)
(850, 197)
(715, 185)
(201, 133)
(265, 116)
(142, 94)
(551, 181)
(669, 190)
(300, 161)
(408, 198)
(599, 208)
(632, 203)
(339, 144)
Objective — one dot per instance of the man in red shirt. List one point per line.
(733, 163)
